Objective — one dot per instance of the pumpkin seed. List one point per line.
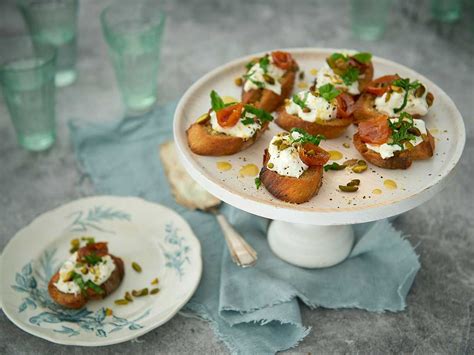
(154, 291)
(387, 96)
(415, 131)
(409, 146)
(306, 110)
(346, 145)
(355, 182)
(429, 98)
(238, 81)
(420, 91)
(140, 293)
(128, 296)
(268, 79)
(359, 168)
(345, 188)
(136, 267)
(155, 281)
(270, 165)
(108, 312)
(121, 302)
(350, 162)
(204, 117)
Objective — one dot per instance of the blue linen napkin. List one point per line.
(253, 310)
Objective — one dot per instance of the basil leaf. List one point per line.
(262, 115)
(351, 75)
(363, 57)
(94, 287)
(306, 137)
(92, 259)
(247, 120)
(264, 62)
(258, 183)
(300, 102)
(400, 130)
(407, 86)
(216, 101)
(78, 281)
(328, 92)
(336, 56)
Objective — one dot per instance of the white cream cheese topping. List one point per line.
(256, 73)
(387, 150)
(318, 107)
(98, 273)
(414, 106)
(239, 129)
(285, 162)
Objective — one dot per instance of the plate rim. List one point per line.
(105, 341)
(315, 217)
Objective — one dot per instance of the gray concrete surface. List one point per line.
(203, 34)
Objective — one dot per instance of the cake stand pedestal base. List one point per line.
(310, 246)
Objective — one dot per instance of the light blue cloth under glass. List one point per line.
(253, 310)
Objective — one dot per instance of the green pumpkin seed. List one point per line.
(355, 182)
(268, 79)
(140, 293)
(345, 188)
(121, 302)
(154, 291)
(136, 267)
(128, 296)
(359, 168)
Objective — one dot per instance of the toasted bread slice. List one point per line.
(268, 100)
(70, 300)
(330, 129)
(401, 160)
(203, 140)
(290, 189)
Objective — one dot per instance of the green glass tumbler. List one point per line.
(133, 31)
(27, 80)
(54, 22)
(369, 18)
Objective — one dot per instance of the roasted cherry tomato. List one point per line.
(345, 105)
(282, 60)
(98, 249)
(313, 155)
(375, 130)
(381, 85)
(230, 115)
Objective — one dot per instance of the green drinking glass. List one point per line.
(369, 18)
(27, 80)
(54, 22)
(133, 31)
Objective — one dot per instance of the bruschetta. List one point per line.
(326, 111)
(269, 80)
(349, 72)
(91, 273)
(391, 95)
(394, 143)
(227, 128)
(292, 168)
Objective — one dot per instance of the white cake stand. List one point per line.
(319, 233)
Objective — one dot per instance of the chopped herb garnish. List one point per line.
(92, 259)
(247, 120)
(249, 65)
(259, 84)
(262, 115)
(300, 102)
(337, 56)
(328, 92)
(363, 57)
(406, 85)
(264, 62)
(94, 287)
(216, 101)
(351, 75)
(400, 130)
(79, 281)
(258, 183)
(334, 166)
(305, 137)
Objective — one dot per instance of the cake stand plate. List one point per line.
(315, 234)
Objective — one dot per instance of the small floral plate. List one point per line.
(153, 236)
